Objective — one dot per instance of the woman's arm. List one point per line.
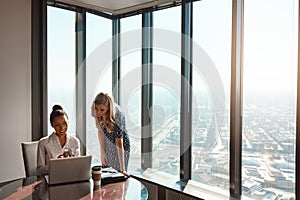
(121, 124)
(120, 149)
(102, 151)
(41, 168)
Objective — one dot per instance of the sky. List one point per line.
(270, 44)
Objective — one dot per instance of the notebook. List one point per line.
(69, 170)
(110, 175)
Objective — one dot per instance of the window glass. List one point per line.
(61, 63)
(131, 42)
(98, 73)
(211, 92)
(166, 90)
(269, 101)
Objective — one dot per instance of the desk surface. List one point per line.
(34, 188)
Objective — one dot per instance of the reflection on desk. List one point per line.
(34, 188)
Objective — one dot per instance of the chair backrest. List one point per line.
(29, 151)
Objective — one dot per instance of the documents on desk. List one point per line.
(110, 175)
(159, 177)
(204, 191)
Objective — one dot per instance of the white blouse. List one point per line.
(49, 147)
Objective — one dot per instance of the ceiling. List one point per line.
(116, 7)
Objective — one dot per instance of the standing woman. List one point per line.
(59, 143)
(112, 133)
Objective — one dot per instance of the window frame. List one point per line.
(39, 91)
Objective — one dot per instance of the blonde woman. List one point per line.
(112, 133)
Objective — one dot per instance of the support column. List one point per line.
(81, 79)
(39, 105)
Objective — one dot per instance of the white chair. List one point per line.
(29, 151)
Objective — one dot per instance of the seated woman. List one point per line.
(59, 143)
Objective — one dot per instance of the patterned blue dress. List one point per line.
(110, 148)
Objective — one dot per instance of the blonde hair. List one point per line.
(107, 100)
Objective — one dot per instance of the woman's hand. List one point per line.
(60, 156)
(65, 155)
(125, 173)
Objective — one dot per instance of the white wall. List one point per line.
(15, 85)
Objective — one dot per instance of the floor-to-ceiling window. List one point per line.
(269, 101)
(98, 73)
(269, 88)
(61, 63)
(166, 89)
(211, 91)
(130, 87)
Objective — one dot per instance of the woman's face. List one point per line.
(101, 110)
(60, 125)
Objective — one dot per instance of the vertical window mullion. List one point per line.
(116, 59)
(297, 164)
(236, 98)
(81, 79)
(186, 93)
(147, 90)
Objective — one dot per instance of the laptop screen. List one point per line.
(71, 169)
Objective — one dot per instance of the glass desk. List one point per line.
(37, 188)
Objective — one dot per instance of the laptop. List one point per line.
(69, 170)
